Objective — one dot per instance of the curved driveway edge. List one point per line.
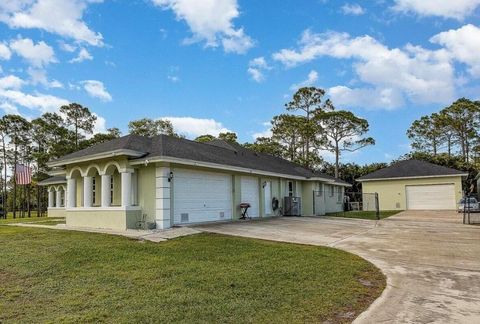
(431, 260)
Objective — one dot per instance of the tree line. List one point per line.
(453, 130)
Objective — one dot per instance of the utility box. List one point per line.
(292, 206)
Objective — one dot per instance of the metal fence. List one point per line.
(470, 207)
(340, 203)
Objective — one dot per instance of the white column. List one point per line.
(71, 193)
(126, 189)
(87, 191)
(105, 190)
(51, 198)
(58, 198)
(134, 198)
(162, 195)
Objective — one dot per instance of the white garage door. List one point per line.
(201, 196)
(431, 197)
(250, 194)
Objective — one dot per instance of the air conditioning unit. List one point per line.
(292, 206)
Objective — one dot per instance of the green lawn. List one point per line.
(40, 220)
(59, 276)
(365, 214)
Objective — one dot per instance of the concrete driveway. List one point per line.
(431, 260)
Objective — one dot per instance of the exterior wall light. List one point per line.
(170, 176)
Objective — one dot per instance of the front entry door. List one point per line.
(268, 197)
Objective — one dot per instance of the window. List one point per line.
(339, 198)
(62, 198)
(319, 190)
(332, 191)
(290, 188)
(94, 190)
(111, 190)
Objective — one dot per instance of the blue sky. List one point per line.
(217, 65)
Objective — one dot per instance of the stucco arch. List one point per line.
(90, 170)
(74, 170)
(110, 167)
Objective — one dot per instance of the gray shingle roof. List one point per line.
(130, 142)
(53, 180)
(411, 168)
(216, 151)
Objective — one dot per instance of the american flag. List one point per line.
(23, 174)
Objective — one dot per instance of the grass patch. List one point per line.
(40, 220)
(51, 221)
(365, 214)
(59, 276)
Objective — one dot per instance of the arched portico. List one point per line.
(100, 185)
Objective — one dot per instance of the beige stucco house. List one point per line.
(415, 184)
(165, 181)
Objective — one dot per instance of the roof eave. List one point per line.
(330, 181)
(414, 177)
(98, 156)
(47, 183)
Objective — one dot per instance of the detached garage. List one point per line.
(415, 185)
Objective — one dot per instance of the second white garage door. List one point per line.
(201, 196)
(433, 197)
(251, 194)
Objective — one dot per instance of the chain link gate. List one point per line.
(470, 210)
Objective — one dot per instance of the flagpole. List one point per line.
(28, 192)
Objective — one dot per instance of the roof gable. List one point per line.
(411, 169)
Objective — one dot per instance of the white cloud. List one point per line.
(96, 89)
(423, 76)
(173, 78)
(38, 101)
(257, 67)
(83, 55)
(457, 9)
(100, 124)
(265, 133)
(9, 108)
(211, 21)
(193, 127)
(5, 52)
(39, 76)
(173, 72)
(309, 81)
(67, 47)
(256, 74)
(38, 55)
(369, 98)
(237, 41)
(353, 9)
(62, 17)
(11, 82)
(463, 44)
